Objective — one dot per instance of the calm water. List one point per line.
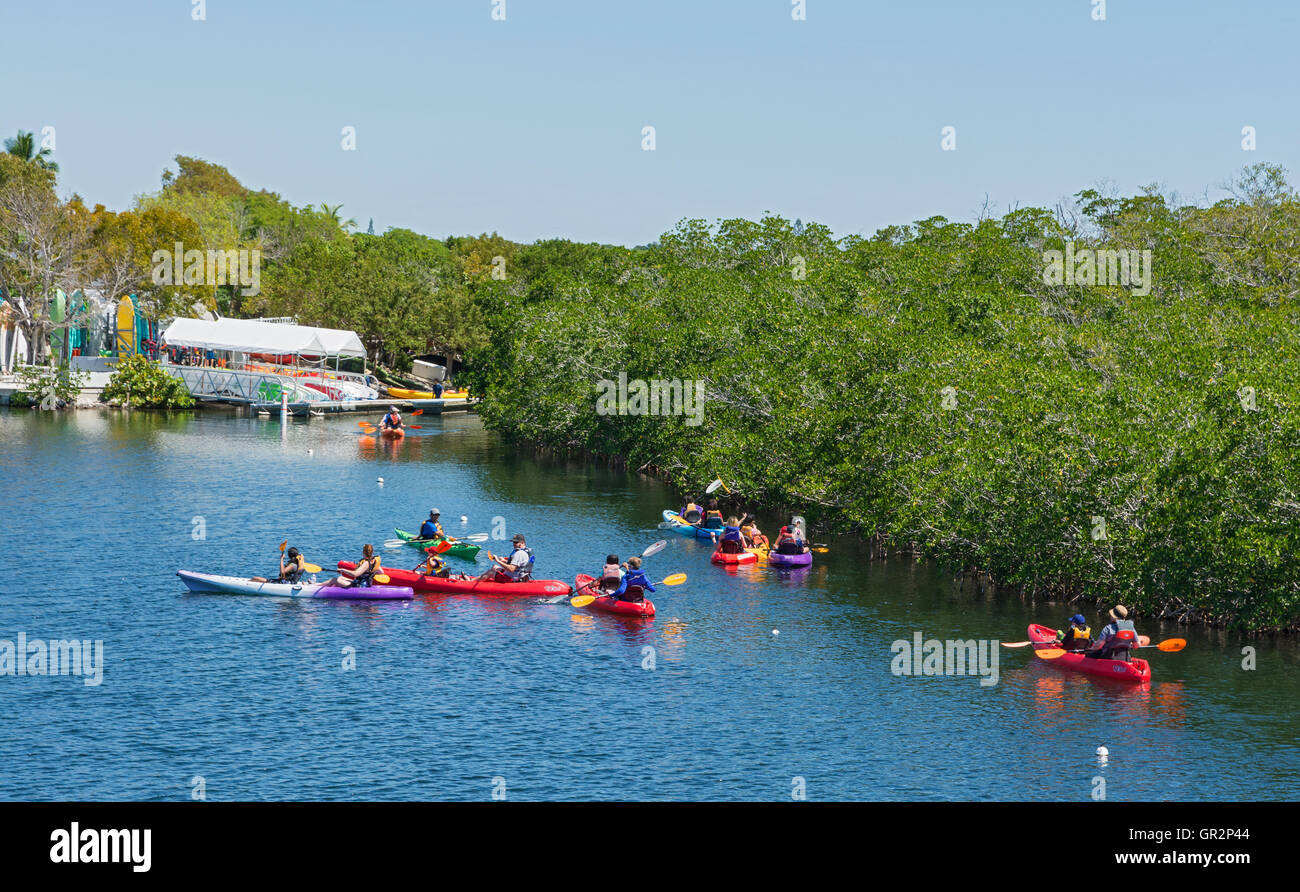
(451, 692)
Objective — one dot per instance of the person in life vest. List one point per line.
(515, 568)
(292, 566)
(364, 572)
(431, 529)
(692, 512)
(1116, 639)
(634, 583)
(1076, 635)
(713, 516)
(790, 539)
(749, 529)
(611, 575)
(392, 421)
(731, 540)
(433, 566)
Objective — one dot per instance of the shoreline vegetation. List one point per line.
(1094, 402)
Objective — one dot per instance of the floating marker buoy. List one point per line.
(464, 519)
(381, 481)
(775, 632)
(309, 452)
(1102, 751)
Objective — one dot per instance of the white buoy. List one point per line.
(381, 481)
(309, 452)
(464, 519)
(775, 632)
(1102, 751)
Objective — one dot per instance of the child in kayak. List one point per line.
(1077, 635)
(291, 571)
(753, 535)
(363, 574)
(392, 421)
(611, 574)
(515, 568)
(431, 529)
(713, 516)
(1115, 639)
(433, 566)
(634, 584)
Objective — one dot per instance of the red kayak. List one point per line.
(1134, 671)
(748, 556)
(472, 586)
(608, 604)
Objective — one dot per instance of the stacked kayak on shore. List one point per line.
(234, 585)
(1134, 671)
(609, 604)
(401, 393)
(458, 549)
(471, 586)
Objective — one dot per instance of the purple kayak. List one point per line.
(777, 559)
(235, 585)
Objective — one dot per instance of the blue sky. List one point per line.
(532, 126)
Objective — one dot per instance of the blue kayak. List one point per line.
(681, 527)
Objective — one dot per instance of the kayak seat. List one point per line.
(691, 517)
(730, 546)
(788, 548)
(609, 583)
(634, 593)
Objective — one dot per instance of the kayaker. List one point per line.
(364, 572)
(634, 583)
(790, 539)
(431, 529)
(1076, 636)
(290, 570)
(434, 566)
(392, 421)
(749, 529)
(515, 568)
(1117, 638)
(610, 575)
(731, 540)
(692, 512)
(713, 516)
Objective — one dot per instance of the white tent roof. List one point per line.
(337, 342)
(245, 336)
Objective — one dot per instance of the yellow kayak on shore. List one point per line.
(401, 393)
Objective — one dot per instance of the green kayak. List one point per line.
(458, 549)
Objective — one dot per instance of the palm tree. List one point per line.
(24, 146)
(333, 214)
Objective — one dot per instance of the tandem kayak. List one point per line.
(458, 549)
(776, 559)
(471, 586)
(235, 585)
(608, 604)
(683, 527)
(1135, 671)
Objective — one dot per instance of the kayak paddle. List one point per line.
(713, 487)
(583, 600)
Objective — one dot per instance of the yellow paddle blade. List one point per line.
(1049, 653)
(1172, 646)
(311, 568)
(582, 600)
(675, 579)
(381, 578)
(282, 545)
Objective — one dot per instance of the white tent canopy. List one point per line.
(251, 336)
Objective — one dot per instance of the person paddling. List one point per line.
(611, 574)
(1117, 638)
(433, 565)
(1076, 636)
(291, 570)
(515, 568)
(692, 512)
(363, 574)
(431, 529)
(749, 529)
(713, 516)
(790, 538)
(634, 584)
(392, 421)
(731, 540)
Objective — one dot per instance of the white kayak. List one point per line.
(235, 585)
